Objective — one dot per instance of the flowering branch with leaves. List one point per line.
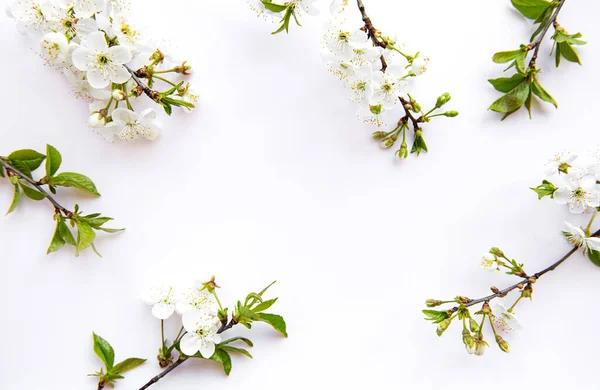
(373, 66)
(108, 64)
(523, 87)
(578, 187)
(18, 167)
(204, 321)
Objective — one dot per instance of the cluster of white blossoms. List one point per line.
(198, 310)
(375, 76)
(105, 59)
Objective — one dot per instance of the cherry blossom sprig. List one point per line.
(204, 320)
(578, 188)
(523, 87)
(374, 68)
(18, 167)
(92, 43)
(111, 372)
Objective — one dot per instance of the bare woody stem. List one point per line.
(525, 281)
(14, 171)
(179, 361)
(408, 116)
(535, 46)
(372, 32)
(147, 90)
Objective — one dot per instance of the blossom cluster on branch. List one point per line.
(203, 321)
(523, 87)
(18, 167)
(104, 57)
(575, 184)
(372, 66)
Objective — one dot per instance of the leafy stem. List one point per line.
(524, 282)
(14, 171)
(373, 33)
(154, 95)
(535, 46)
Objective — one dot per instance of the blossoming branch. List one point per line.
(204, 320)
(373, 67)
(107, 63)
(523, 87)
(18, 167)
(574, 183)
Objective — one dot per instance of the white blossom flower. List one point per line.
(128, 125)
(579, 193)
(34, 18)
(577, 236)
(87, 8)
(490, 263)
(478, 346)
(201, 335)
(386, 89)
(419, 65)
(126, 34)
(102, 64)
(83, 89)
(360, 89)
(341, 41)
(54, 48)
(339, 67)
(504, 320)
(306, 6)
(338, 6)
(188, 94)
(559, 162)
(162, 298)
(196, 298)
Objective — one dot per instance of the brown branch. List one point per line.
(535, 46)
(372, 33)
(408, 115)
(523, 282)
(14, 171)
(154, 95)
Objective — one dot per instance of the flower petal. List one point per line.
(190, 344)
(80, 58)
(124, 115)
(162, 311)
(121, 74)
(562, 196)
(120, 54)
(97, 41)
(97, 79)
(190, 320)
(207, 349)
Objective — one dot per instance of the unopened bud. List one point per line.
(433, 302)
(497, 252)
(378, 135)
(463, 300)
(416, 107)
(403, 151)
(96, 120)
(473, 325)
(451, 114)
(389, 142)
(495, 289)
(468, 339)
(419, 133)
(445, 98)
(443, 326)
(504, 346)
(527, 292)
(118, 94)
(486, 309)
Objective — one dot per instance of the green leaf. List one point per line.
(222, 357)
(513, 100)
(85, 236)
(97, 222)
(540, 92)
(436, 316)
(531, 9)
(545, 189)
(594, 257)
(276, 321)
(238, 350)
(66, 234)
(506, 84)
(108, 230)
(53, 160)
(29, 157)
(104, 351)
(568, 52)
(231, 340)
(264, 290)
(506, 56)
(31, 193)
(543, 20)
(71, 179)
(22, 167)
(277, 8)
(264, 305)
(15, 200)
(57, 241)
(126, 365)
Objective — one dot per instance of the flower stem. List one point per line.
(162, 336)
(12, 170)
(515, 304)
(535, 46)
(164, 80)
(526, 281)
(589, 226)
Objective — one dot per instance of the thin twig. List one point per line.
(535, 46)
(524, 282)
(147, 90)
(372, 32)
(15, 171)
(408, 115)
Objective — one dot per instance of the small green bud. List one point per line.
(378, 135)
(527, 292)
(445, 98)
(403, 151)
(451, 114)
(389, 142)
(418, 133)
(157, 56)
(486, 309)
(473, 325)
(497, 252)
(463, 300)
(443, 326)
(468, 339)
(416, 107)
(433, 302)
(376, 109)
(504, 346)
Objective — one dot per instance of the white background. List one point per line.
(273, 178)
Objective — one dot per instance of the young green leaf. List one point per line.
(513, 100)
(29, 157)
(506, 56)
(276, 321)
(568, 52)
(66, 234)
(540, 92)
(277, 8)
(531, 9)
(221, 356)
(235, 349)
(70, 179)
(53, 160)
(16, 196)
(264, 305)
(126, 365)
(104, 351)
(231, 340)
(57, 241)
(31, 193)
(506, 84)
(436, 316)
(594, 257)
(85, 236)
